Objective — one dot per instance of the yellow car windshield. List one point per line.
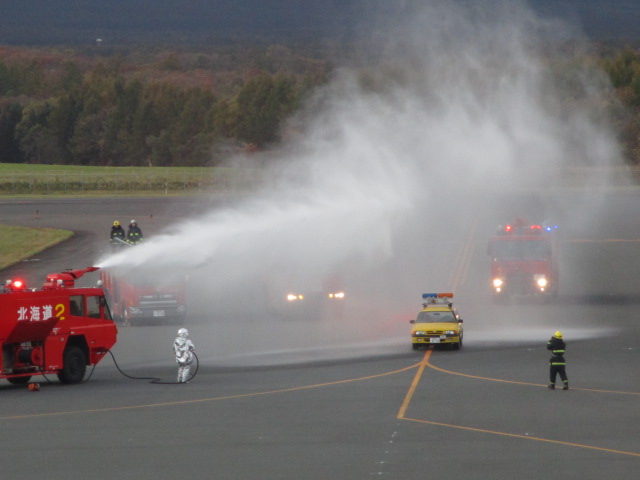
(436, 317)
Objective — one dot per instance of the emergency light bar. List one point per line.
(437, 295)
(522, 229)
(15, 285)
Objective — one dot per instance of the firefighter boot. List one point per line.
(552, 386)
(566, 386)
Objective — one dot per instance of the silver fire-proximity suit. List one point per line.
(183, 348)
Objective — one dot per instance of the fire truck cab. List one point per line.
(57, 329)
(524, 260)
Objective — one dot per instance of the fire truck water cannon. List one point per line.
(437, 298)
(59, 329)
(67, 278)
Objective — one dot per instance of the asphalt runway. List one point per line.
(363, 405)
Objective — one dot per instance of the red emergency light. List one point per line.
(17, 285)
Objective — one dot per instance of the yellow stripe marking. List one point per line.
(426, 363)
(525, 437)
(431, 365)
(407, 399)
(604, 240)
(211, 399)
(461, 267)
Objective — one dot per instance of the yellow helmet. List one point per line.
(558, 334)
(116, 223)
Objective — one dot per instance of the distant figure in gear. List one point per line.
(134, 234)
(557, 362)
(117, 232)
(183, 348)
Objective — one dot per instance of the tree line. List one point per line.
(172, 108)
(112, 111)
(623, 69)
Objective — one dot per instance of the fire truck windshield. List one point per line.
(521, 249)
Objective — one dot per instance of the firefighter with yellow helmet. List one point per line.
(557, 362)
(118, 235)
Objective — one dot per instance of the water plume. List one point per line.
(452, 104)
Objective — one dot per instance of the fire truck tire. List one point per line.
(19, 380)
(75, 365)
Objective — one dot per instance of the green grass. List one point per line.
(27, 179)
(19, 243)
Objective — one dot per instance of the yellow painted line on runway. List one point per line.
(450, 372)
(603, 240)
(426, 363)
(407, 399)
(524, 437)
(463, 260)
(210, 399)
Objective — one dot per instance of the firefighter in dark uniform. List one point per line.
(557, 362)
(134, 234)
(117, 232)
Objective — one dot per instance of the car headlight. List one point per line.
(450, 332)
(292, 297)
(338, 295)
(497, 282)
(419, 333)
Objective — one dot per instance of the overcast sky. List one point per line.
(33, 22)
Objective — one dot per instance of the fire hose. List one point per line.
(156, 380)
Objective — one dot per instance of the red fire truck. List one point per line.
(140, 296)
(524, 259)
(57, 329)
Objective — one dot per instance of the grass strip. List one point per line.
(19, 243)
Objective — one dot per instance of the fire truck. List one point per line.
(141, 296)
(57, 329)
(524, 259)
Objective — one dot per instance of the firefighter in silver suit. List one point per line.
(183, 348)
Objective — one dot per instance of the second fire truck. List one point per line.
(524, 259)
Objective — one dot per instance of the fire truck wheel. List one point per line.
(75, 365)
(19, 380)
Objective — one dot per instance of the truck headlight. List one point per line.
(541, 281)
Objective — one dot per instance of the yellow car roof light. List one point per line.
(437, 298)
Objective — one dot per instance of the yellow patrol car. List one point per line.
(437, 323)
